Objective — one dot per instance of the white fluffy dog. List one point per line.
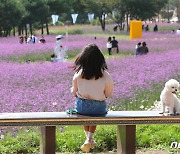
(169, 99)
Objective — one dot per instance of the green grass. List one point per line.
(70, 31)
(35, 57)
(168, 28)
(156, 137)
(24, 141)
(106, 35)
(32, 57)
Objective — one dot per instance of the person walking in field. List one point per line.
(91, 85)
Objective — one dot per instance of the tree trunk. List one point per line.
(19, 30)
(14, 31)
(127, 24)
(6, 33)
(178, 10)
(42, 29)
(25, 28)
(31, 29)
(47, 28)
(22, 30)
(102, 22)
(0, 32)
(9, 32)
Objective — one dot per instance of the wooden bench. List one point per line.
(126, 122)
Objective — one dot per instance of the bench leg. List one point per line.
(48, 140)
(126, 139)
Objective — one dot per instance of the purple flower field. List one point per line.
(45, 86)
(40, 86)
(157, 42)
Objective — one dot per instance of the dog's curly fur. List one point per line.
(169, 99)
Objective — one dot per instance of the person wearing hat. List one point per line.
(58, 48)
(58, 43)
(59, 37)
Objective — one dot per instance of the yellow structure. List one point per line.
(135, 29)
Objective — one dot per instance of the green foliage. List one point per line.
(157, 136)
(31, 57)
(26, 141)
(168, 28)
(40, 57)
(72, 54)
(72, 31)
(105, 138)
(95, 22)
(70, 138)
(140, 9)
(22, 12)
(10, 15)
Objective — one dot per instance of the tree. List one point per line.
(140, 9)
(118, 10)
(37, 12)
(166, 12)
(41, 14)
(76, 6)
(59, 7)
(177, 5)
(10, 16)
(100, 8)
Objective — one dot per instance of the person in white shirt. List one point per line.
(58, 43)
(178, 32)
(59, 51)
(91, 86)
(109, 45)
(29, 39)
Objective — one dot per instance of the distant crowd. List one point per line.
(31, 39)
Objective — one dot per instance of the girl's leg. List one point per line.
(90, 139)
(109, 51)
(92, 129)
(86, 131)
(86, 128)
(87, 145)
(89, 132)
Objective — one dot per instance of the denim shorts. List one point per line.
(90, 107)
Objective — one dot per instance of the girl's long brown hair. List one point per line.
(91, 61)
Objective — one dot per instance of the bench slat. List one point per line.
(61, 118)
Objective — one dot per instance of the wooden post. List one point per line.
(126, 139)
(48, 140)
